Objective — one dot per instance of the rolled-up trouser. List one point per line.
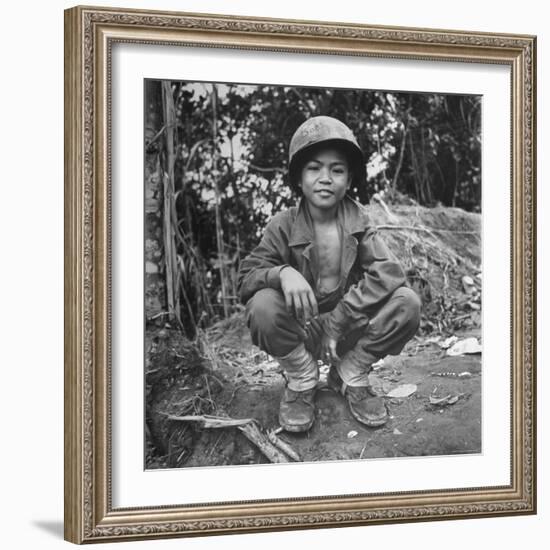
(382, 332)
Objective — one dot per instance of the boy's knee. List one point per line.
(264, 308)
(410, 306)
(272, 328)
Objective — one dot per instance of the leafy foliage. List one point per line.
(230, 167)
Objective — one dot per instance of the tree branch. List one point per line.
(267, 168)
(428, 229)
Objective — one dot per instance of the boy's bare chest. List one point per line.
(329, 253)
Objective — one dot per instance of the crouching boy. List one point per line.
(322, 285)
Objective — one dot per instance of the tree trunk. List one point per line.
(169, 221)
(401, 155)
(219, 228)
(155, 286)
(415, 170)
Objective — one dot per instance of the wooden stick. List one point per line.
(160, 314)
(247, 426)
(208, 421)
(283, 446)
(267, 168)
(253, 434)
(428, 229)
(377, 198)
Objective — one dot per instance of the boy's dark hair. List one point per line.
(319, 132)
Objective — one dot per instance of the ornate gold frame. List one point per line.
(89, 34)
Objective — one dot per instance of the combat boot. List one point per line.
(297, 410)
(365, 407)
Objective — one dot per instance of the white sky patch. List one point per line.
(377, 164)
(235, 149)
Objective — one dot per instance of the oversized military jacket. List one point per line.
(369, 272)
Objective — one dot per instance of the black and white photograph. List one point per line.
(312, 274)
(300, 275)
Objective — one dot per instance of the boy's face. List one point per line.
(325, 178)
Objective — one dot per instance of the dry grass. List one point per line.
(437, 248)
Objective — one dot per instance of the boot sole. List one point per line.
(296, 428)
(335, 384)
(376, 423)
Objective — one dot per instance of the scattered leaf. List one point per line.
(439, 400)
(397, 432)
(448, 342)
(444, 401)
(402, 391)
(466, 346)
(352, 434)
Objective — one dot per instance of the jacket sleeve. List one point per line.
(262, 267)
(381, 275)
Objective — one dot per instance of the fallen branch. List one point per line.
(267, 168)
(207, 421)
(254, 435)
(460, 317)
(156, 316)
(377, 198)
(428, 229)
(249, 428)
(283, 446)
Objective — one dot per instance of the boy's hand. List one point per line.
(298, 294)
(328, 350)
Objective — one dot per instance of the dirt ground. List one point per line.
(221, 373)
(252, 388)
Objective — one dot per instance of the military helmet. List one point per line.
(326, 130)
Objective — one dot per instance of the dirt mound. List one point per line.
(440, 250)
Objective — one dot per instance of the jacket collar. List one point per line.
(351, 216)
